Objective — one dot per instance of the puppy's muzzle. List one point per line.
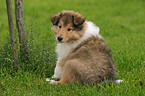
(59, 38)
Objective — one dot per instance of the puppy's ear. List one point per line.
(78, 19)
(55, 19)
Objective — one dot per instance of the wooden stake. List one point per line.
(21, 30)
(12, 32)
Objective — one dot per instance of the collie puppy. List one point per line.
(83, 55)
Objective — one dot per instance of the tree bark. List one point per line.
(21, 30)
(12, 32)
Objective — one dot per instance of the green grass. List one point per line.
(122, 25)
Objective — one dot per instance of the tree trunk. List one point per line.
(12, 32)
(21, 30)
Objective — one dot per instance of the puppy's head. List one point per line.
(68, 26)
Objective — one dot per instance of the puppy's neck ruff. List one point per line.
(63, 49)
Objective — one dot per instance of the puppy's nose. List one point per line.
(59, 38)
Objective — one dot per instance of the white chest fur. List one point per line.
(63, 49)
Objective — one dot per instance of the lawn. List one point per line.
(121, 23)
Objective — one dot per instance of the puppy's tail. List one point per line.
(117, 81)
(111, 81)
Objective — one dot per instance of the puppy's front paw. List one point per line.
(50, 81)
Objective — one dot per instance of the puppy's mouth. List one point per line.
(60, 41)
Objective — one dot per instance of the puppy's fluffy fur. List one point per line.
(83, 55)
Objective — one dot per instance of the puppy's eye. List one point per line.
(59, 26)
(69, 29)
